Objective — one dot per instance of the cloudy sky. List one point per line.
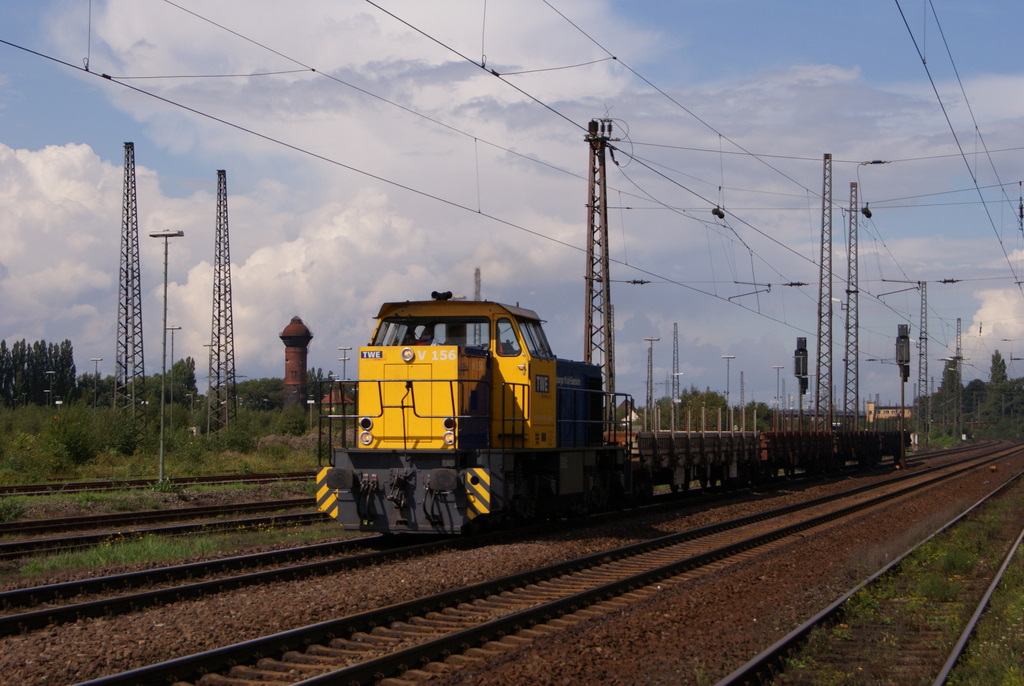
(378, 151)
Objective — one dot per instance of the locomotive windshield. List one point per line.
(469, 332)
(536, 341)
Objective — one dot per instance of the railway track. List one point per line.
(920, 652)
(115, 527)
(281, 565)
(115, 520)
(494, 616)
(126, 484)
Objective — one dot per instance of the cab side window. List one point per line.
(506, 343)
(536, 341)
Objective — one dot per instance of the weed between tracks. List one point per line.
(996, 655)
(99, 502)
(127, 550)
(922, 609)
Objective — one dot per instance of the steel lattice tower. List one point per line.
(599, 340)
(221, 397)
(924, 400)
(958, 389)
(675, 372)
(823, 384)
(130, 373)
(675, 361)
(851, 397)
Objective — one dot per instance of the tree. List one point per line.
(314, 377)
(697, 410)
(183, 378)
(262, 394)
(997, 371)
(24, 376)
(974, 397)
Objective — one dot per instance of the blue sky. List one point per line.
(356, 201)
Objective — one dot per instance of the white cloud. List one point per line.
(325, 240)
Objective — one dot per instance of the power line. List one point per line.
(384, 180)
(481, 64)
(956, 140)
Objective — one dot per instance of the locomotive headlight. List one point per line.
(408, 354)
(366, 438)
(365, 423)
(449, 423)
(449, 438)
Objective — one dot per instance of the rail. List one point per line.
(665, 557)
(770, 662)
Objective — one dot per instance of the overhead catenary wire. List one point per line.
(451, 203)
(956, 140)
(478, 64)
(482, 65)
(483, 61)
(475, 138)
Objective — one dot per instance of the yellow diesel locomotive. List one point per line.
(462, 415)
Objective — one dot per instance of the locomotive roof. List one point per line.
(466, 308)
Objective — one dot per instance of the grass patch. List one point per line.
(938, 587)
(12, 508)
(131, 550)
(926, 597)
(125, 550)
(995, 654)
(58, 505)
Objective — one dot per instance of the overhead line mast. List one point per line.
(823, 385)
(851, 400)
(129, 366)
(221, 405)
(958, 387)
(599, 339)
(924, 400)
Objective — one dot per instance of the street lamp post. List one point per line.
(344, 359)
(675, 401)
(778, 400)
(728, 359)
(50, 373)
(166, 235)
(172, 329)
(650, 381)
(96, 379)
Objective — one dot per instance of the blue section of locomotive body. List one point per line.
(580, 404)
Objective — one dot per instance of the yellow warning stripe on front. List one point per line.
(478, 492)
(325, 497)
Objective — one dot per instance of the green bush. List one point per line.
(28, 459)
(292, 421)
(11, 508)
(238, 436)
(72, 435)
(188, 452)
(120, 432)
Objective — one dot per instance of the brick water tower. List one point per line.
(296, 337)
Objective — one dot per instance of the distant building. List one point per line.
(296, 337)
(878, 412)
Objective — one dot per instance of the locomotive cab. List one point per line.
(449, 375)
(459, 410)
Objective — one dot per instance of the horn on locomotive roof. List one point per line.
(446, 295)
